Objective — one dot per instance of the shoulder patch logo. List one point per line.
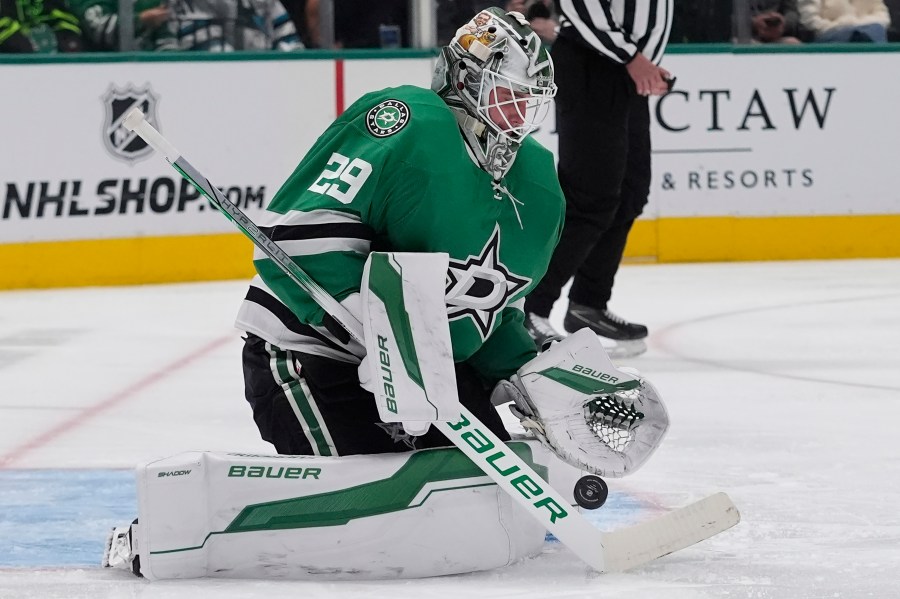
(387, 118)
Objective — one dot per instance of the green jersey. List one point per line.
(393, 173)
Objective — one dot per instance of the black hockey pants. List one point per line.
(310, 405)
(604, 171)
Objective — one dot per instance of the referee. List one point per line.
(606, 58)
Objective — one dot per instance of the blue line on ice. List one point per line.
(61, 517)
(53, 518)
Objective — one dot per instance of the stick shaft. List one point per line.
(135, 121)
(272, 250)
(350, 326)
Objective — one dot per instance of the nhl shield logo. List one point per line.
(120, 142)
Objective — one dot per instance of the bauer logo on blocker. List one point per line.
(120, 142)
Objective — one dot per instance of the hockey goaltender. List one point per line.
(383, 329)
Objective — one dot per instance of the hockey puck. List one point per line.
(591, 492)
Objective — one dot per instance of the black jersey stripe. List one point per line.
(652, 27)
(628, 20)
(319, 231)
(288, 318)
(583, 16)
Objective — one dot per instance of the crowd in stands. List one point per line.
(49, 26)
(788, 21)
(94, 25)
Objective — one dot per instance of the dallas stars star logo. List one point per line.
(480, 287)
(387, 118)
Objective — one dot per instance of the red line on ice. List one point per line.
(127, 393)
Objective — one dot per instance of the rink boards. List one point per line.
(757, 156)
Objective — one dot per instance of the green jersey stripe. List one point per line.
(304, 389)
(299, 402)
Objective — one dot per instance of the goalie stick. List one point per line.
(603, 551)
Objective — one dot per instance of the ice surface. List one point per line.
(782, 380)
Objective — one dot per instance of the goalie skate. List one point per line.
(118, 552)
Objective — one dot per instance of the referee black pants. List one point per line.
(604, 172)
(310, 405)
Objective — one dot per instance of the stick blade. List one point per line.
(642, 543)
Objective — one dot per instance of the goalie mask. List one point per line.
(498, 79)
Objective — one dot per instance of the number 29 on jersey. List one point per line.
(342, 178)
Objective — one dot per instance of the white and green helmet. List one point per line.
(498, 78)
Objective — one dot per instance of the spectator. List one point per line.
(38, 26)
(228, 25)
(701, 21)
(845, 20)
(774, 21)
(542, 17)
(893, 33)
(450, 13)
(99, 19)
(359, 23)
(297, 10)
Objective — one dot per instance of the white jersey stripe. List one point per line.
(311, 217)
(641, 20)
(313, 405)
(273, 365)
(256, 319)
(313, 247)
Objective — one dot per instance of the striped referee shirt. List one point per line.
(619, 29)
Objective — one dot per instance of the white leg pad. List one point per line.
(410, 515)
